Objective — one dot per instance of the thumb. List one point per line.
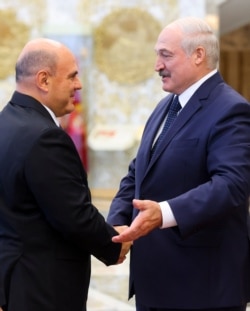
(138, 204)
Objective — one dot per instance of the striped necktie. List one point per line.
(172, 114)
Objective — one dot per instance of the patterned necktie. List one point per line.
(172, 114)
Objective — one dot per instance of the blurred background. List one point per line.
(113, 42)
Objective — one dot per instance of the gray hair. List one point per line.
(198, 33)
(33, 61)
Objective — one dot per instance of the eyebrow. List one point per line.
(164, 50)
(73, 74)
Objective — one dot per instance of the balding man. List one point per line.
(48, 225)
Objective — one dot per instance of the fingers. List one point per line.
(120, 230)
(124, 250)
(125, 246)
(148, 218)
(125, 237)
(131, 233)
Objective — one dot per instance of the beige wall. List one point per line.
(108, 99)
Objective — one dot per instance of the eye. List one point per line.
(165, 54)
(73, 76)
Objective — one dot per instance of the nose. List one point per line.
(158, 64)
(78, 84)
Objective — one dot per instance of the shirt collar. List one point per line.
(186, 95)
(53, 116)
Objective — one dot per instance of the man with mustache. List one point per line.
(185, 196)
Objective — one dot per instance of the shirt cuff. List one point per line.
(168, 219)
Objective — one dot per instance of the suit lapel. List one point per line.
(192, 106)
(200, 97)
(158, 120)
(151, 129)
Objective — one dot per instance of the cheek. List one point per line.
(184, 69)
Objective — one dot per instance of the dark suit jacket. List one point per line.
(48, 225)
(203, 171)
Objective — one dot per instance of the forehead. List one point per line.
(168, 39)
(67, 61)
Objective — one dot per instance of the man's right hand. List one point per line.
(125, 246)
(148, 218)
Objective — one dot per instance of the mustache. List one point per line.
(163, 73)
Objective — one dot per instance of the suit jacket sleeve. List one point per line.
(228, 166)
(59, 184)
(121, 209)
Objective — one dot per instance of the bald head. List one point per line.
(47, 71)
(37, 54)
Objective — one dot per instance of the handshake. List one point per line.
(125, 245)
(148, 218)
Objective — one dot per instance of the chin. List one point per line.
(70, 108)
(166, 89)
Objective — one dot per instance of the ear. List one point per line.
(200, 55)
(42, 78)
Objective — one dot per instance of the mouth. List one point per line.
(164, 75)
(164, 78)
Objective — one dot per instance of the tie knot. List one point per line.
(175, 105)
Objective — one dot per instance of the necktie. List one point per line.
(172, 114)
